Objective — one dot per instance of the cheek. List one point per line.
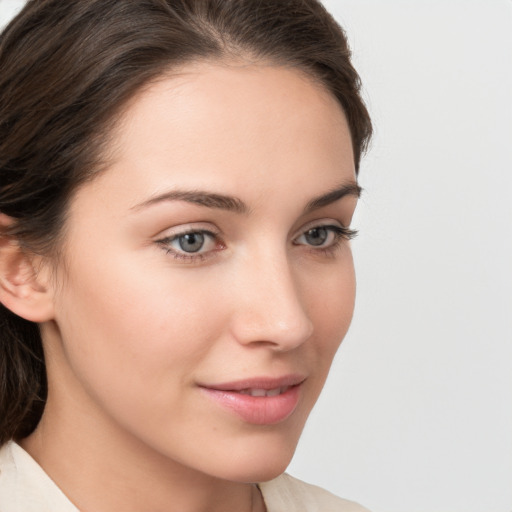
(146, 328)
(330, 296)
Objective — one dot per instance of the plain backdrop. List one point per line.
(417, 412)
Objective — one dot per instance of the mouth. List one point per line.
(259, 401)
(264, 392)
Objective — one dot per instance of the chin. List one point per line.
(255, 471)
(258, 454)
(260, 460)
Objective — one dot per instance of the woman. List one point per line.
(178, 179)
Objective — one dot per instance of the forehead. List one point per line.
(230, 127)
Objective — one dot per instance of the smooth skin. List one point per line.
(134, 321)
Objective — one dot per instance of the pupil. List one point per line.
(316, 236)
(191, 242)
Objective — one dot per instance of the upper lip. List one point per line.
(265, 383)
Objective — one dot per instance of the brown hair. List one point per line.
(67, 69)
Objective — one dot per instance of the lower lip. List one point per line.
(258, 410)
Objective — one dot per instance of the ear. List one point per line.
(24, 280)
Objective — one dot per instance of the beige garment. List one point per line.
(25, 487)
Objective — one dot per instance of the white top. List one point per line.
(25, 487)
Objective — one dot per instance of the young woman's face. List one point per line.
(206, 279)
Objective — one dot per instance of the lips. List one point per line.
(259, 401)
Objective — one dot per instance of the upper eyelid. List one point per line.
(319, 223)
(185, 229)
(214, 231)
(338, 230)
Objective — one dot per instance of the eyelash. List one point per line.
(340, 233)
(190, 257)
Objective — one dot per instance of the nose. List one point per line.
(268, 308)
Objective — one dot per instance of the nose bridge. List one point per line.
(270, 308)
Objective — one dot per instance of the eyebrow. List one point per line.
(347, 189)
(236, 205)
(208, 199)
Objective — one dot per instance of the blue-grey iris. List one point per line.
(316, 236)
(191, 242)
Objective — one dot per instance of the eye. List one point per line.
(325, 236)
(317, 236)
(193, 244)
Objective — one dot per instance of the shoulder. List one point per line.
(25, 487)
(288, 494)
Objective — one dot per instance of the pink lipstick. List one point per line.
(260, 401)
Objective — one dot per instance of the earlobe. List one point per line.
(24, 289)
